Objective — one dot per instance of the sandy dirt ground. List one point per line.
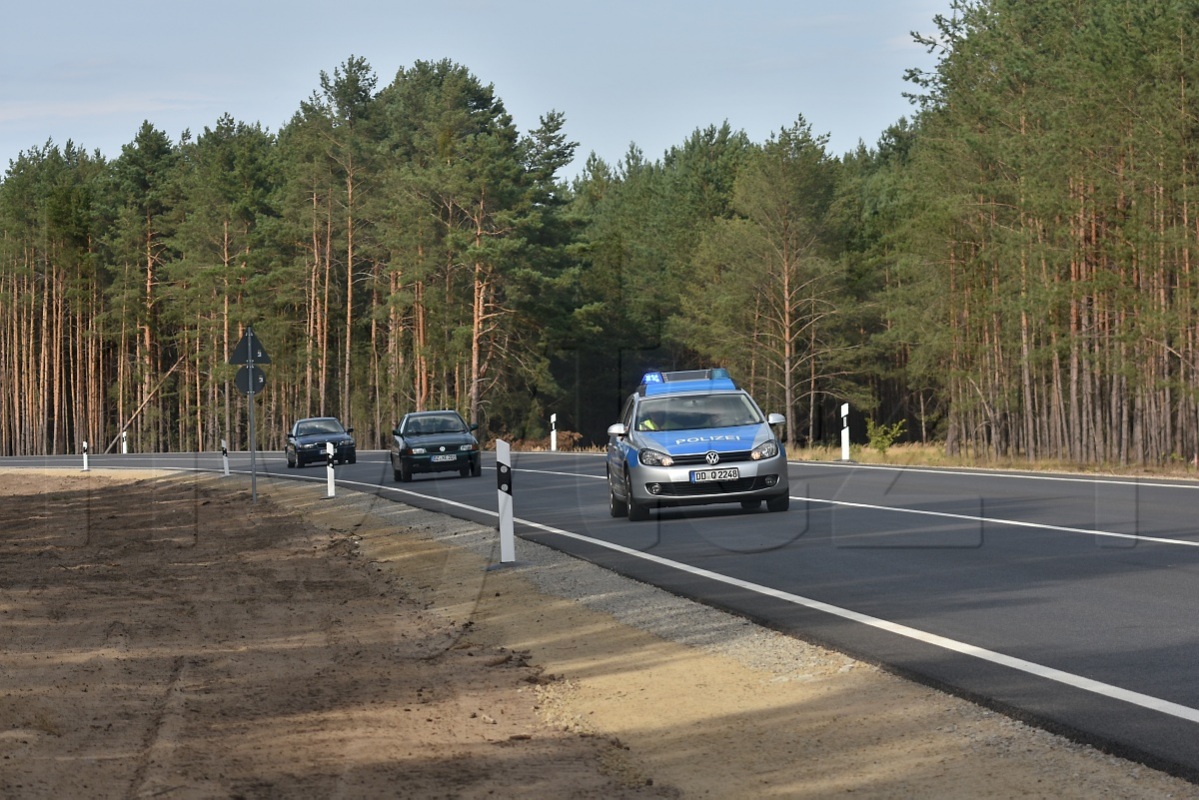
(165, 637)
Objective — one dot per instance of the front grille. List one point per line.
(688, 489)
(701, 458)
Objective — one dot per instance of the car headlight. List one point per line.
(768, 449)
(417, 451)
(653, 458)
(466, 447)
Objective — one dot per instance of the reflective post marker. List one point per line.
(225, 456)
(845, 431)
(503, 473)
(329, 469)
(553, 433)
(124, 443)
(85, 468)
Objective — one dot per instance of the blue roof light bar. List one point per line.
(693, 380)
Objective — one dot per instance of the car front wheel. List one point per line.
(780, 503)
(616, 506)
(637, 511)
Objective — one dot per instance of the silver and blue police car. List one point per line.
(694, 437)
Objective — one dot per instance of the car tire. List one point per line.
(353, 458)
(464, 472)
(476, 467)
(405, 473)
(616, 507)
(780, 503)
(636, 511)
(291, 462)
(395, 474)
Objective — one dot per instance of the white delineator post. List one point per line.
(124, 443)
(503, 472)
(553, 433)
(329, 469)
(85, 467)
(225, 456)
(845, 431)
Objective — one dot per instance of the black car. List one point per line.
(434, 441)
(307, 438)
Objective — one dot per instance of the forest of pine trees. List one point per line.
(1013, 270)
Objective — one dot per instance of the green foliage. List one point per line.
(1013, 268)
(881, 435)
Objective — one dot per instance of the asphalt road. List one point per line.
(1069, 602)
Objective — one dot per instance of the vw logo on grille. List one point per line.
(712, 457)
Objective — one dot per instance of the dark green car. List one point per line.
(434, 441)
(307, 439)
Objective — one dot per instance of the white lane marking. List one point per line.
(941, 514)
(1015, 523)
(1039, 670)
(1032, 668)
(1011, 522)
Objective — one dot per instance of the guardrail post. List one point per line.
(845, 431)
(503, 472)
(332, 491)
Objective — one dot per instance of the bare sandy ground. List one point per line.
(164, 637)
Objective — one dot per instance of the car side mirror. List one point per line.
(618, 429)
(290, 435)
(349, 430)
(776, 419)
(474, 426)
(395, 431)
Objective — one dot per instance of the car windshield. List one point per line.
(434, 423)
(312, 427)
(695, 412)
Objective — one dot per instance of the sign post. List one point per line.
(250, 380)
(553, 433)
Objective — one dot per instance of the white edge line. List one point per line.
(1039, 670)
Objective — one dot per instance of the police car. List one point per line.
(694, 437)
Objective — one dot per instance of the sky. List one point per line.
(622, 72)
